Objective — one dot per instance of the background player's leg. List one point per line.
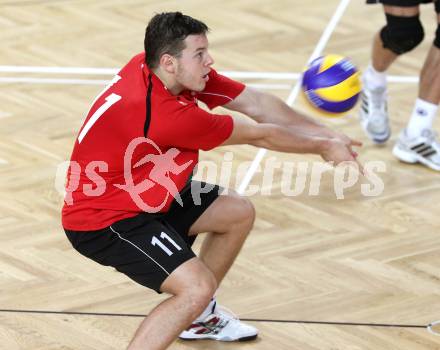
(417, 142)
(429, 89)
(192, 286)
(374, 112)
(426, 105)
(229, 219)
(382, 58)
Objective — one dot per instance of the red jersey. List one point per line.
(139, 145)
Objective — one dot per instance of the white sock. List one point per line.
(208, 311)
(422, 117)
(374, 79)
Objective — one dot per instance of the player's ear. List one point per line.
(168, 63)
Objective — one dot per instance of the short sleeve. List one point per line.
(193, 128)
(219, 90)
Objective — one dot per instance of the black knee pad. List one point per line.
(402, 34)
(437, 37)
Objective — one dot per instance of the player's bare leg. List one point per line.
(429, 87)
(417, 143)
(192, 286)
(228, 220)
(382, 58)
(374, 112)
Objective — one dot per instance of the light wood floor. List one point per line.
(366, 260)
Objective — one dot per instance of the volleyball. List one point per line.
(331, 83)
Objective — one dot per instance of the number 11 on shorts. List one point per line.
(155, 241)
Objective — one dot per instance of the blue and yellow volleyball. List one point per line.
(332, 84)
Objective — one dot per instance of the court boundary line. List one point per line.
(323, 40)
(335, 323)
(112, 71)
(403, 79)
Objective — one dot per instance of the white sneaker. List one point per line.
(423, 149)
(220, 325)
(373, 114)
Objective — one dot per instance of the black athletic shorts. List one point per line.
(148, 247)
(402, 3)
(406, 3)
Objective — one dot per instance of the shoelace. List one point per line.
(224, 312)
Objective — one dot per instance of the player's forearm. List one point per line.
(274, 110)
(281, 139)
(284, 115)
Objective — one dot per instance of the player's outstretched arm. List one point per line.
(267, 108)
(291, 140)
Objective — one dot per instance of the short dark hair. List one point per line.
(166, 32)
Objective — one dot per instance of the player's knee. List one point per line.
(437, 37)
(402, 34)
(242, 210)
(249, 212)
(201, 292)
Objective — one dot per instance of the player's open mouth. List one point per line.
(206, 77)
